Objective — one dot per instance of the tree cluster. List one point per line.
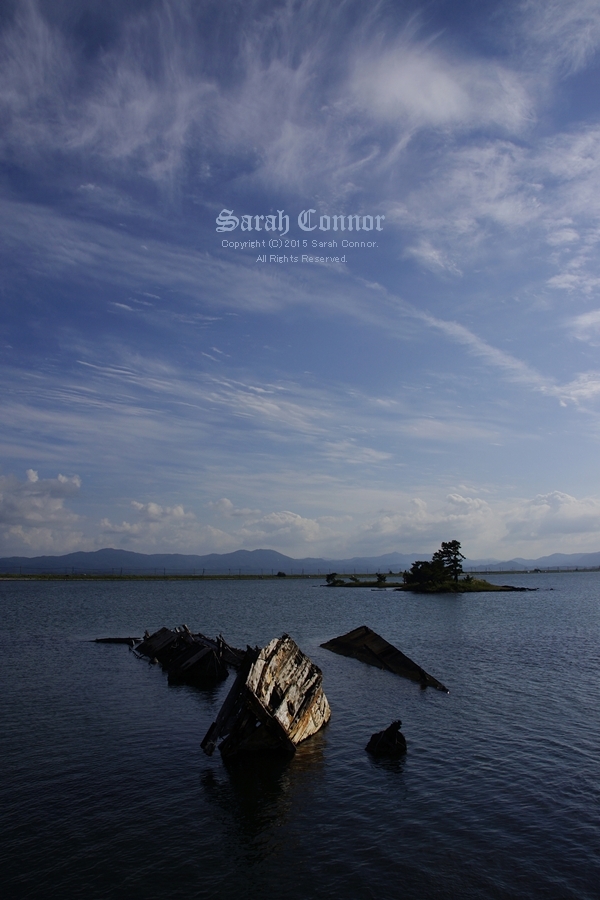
(438, 573)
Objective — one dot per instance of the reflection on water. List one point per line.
(255, 794)
(207, 695)
(394, 768)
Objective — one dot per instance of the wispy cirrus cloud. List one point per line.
(584, 387)
(147, 100)
(567, 34)
(155, 93)
(127, 110)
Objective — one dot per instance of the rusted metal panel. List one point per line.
(369, 647)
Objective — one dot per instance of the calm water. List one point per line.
(104, 791)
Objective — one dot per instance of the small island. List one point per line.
(442, 574)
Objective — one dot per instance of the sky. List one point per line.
(170, 383)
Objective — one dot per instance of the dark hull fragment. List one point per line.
(189, 658)
(132, 641)
(369, 647)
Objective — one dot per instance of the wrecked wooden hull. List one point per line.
(289, 687)
(369, 647)
(189, 658)
(276, 702)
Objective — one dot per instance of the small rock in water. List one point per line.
(388, 743)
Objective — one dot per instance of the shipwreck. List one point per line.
(188, 658)
(369, 647)
(277, 698)
(276, 701)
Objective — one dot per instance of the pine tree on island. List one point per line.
(438, 574)
(450, 555)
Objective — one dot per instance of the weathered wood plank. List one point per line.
(156, 642)
(276, 702)
(288, 686)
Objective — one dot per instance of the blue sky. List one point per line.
(162, 391)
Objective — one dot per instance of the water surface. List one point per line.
(105, 792)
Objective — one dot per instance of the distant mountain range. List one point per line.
(244, 562)
(259, 562)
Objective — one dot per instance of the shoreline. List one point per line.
(368, 577)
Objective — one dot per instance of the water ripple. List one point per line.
(105, 793)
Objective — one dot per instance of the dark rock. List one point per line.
(390, 743)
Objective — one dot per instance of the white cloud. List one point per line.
(554, 514)
(151, 122)
(432, 258)
(585, 387)
(514, 369)
(225, 507)
(284, 529)
(34, 518)
(173, 527)
(581, 283)
(573, 157)
(351, 452)
(424, 523)
(477, 188)
(36, 67)
(563, 236)
(419, 522)
(152, 518)
(419, 86)
(551, 522)
(33, 515)
(486, 199)
(586, 327)
(153, 512)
